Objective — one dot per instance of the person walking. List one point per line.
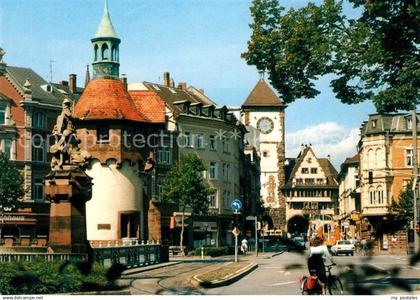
(244, 246)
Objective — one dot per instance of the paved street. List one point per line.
(275, 276)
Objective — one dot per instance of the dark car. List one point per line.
(299, 242)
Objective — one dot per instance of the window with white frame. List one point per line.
(187, 139)
(226, 171)
(226, 199)
(379, 195)
(6, 148)
(38, 190)
(225, 143)
(213, 170)
(200, 141)
(409, 157)
(212, 143)
(38, 148)
(2, 115)
(102, 134)
(212, 200)
(164, 156)
(372, 196)
(38, 120)
(158, 191)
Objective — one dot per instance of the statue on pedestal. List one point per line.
(68, 187)
(66, 149)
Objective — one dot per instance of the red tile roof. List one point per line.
(263, 95)
(150, 104)
(107, 99)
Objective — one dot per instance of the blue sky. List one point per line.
(197, 41)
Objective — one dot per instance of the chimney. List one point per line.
(87, 76)
(124, 81)
(64, 82)
(201, 91)
(72, 83)
(166, 79)
(329, 157)
(172, 83)
(182, 86)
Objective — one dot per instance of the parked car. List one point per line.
(299, 242)
(343, 247)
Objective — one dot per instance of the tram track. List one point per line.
(162, 276)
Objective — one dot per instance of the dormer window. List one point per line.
(47, 88)
(409, 124)
(373, 123)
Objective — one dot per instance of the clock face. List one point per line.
(265, 125)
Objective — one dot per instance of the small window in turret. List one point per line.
(96, 53)
(114, 54)
(102, 134)
(105, 52)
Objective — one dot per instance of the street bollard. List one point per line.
(202, 252)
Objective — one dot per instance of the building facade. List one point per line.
(386, 166)
(349, 198)
(194, 124)
(311, 192)
(29, 106)
(115, 131)
(264, 110)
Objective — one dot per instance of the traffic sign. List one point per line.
(236, 204)
(236, 231)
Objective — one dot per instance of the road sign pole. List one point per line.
(256, 236)
(262, 233)
(236, 248)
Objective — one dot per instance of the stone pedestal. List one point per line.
(68, 189)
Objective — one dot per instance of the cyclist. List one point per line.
(319, 256)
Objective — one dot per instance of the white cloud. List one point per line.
(327, 138)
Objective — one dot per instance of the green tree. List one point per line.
(373, 57)
(11, 184)
(403, 209)
(185, 186)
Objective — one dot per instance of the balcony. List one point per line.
(309, 199)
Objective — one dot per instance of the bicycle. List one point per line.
(334, 285)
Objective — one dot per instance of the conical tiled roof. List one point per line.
(107, 99)
(106, 29)
(263, 95)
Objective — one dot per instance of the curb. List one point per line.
(231, 277)
(148, 268)
(102, 293)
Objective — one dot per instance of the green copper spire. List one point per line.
(106, 29)
(106, 60)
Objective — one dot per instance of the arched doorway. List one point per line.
(297, 225)
(267, 221)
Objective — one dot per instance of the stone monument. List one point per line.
(68, 187)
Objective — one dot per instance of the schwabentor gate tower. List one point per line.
(264, 110)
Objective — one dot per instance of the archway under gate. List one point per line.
(298, 225)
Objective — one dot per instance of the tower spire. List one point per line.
(106, 48)
(87, 76)
(106, 29)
